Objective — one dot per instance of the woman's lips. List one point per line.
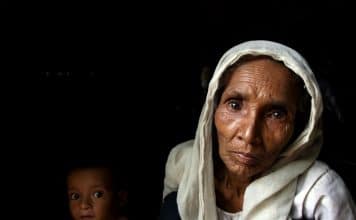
(246, 158)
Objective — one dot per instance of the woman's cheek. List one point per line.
(278, 135)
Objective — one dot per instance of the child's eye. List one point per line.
(74, 196)
(98, 194)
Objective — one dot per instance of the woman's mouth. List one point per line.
(245, 158)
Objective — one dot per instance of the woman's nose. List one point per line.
(250, 130)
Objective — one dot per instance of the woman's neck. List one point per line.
(230, 190)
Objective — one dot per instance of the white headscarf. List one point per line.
(189, 168)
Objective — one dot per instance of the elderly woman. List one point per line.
(258, 137)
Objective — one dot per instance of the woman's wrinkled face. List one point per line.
(255, 116)
(90, 195)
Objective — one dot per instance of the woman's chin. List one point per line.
(242, 171)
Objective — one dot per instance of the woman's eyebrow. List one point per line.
(274, 103)
(277, 105)
(237, 94)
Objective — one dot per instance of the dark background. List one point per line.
(123, 81)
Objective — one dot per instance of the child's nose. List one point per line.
(85, 203)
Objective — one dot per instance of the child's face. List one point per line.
(90, 195)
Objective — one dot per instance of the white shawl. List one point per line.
(189, 168)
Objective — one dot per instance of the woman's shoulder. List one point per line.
(180, 152)
(178, 157)
(176, 165)
(320, 177)
(313, 174)
(322, 192)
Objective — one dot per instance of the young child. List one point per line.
(94, 193)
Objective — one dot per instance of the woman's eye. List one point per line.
(74, 196)
(235, 104)
(277, 114)
(98, 194)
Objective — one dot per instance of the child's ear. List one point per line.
(123, 197)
